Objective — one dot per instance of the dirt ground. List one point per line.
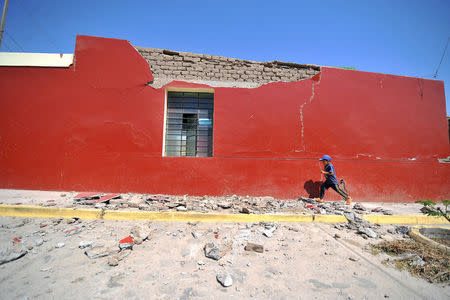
(299, 260)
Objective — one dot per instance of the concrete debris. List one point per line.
(402, 229)
(367, 231)
(181, 208)
(126, 243)
(196, 235)
(244, 210)
(113, 261)
(60, 245)
(381, 210)
(217, 251)
(138, 240)
(72, 220)
(269, 232)
(99, 252)
(39, 242)
(416, 260)
(224, 279)
(224, 205)
(12, 253)
(86, 244)
(350, 216)
(358, 206)
(72, 231)
(254, 247)
(57, 220)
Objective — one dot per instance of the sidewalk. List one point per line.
(27, 203)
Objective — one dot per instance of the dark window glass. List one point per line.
(189, 124)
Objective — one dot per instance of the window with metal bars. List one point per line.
(189, 124)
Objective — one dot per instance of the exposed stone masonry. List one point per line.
(167, 65)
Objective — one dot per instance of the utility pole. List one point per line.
(2, 22)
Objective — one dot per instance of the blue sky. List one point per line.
(394, 37)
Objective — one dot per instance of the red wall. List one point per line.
(97, 126)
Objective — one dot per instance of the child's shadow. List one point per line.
(312, 188)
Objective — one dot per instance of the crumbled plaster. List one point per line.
(219, 71)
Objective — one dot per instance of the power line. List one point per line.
(15, 42)
(6, 46)
(443, 54)
(36, 23)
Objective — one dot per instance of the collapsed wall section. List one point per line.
(167, 65)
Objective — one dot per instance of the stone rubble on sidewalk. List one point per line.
(10, 253)
(254, 247)
(60, 245)
(224, 279)
(217, 251)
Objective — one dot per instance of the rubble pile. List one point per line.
(338, 207)
(225, 204)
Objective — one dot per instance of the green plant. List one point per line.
(433, 211)
(426, 202)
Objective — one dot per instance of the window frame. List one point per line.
(166, 98)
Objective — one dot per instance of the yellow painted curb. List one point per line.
(31, 211)
(406, 219)
(414, 233)
(329, 219)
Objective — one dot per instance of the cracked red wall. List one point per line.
(96, 126)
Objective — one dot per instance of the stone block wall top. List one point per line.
(167, 65)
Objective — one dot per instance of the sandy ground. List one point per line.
(300, 261)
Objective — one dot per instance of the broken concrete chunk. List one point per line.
(60, 245)
(244, 210)
(181, 208)
(57, 220)
(71, 220)
(350, 216)
(12, 253)
(72, 231)
(135, 232)
(367, 231)
(113, 261)
(358, 206)
(224, 205)
(401, 229)
(254, 247)
(269, 232)
(138, 240)
(224, 279)
(126, 243)
(122, 254)
(39, 242)
(216, 252)
(85, 244)
(99, 252)
(196, 235)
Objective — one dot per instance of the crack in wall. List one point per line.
(311, 98)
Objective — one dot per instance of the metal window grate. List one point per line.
(189, 124)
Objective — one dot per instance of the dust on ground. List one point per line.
(73, 258)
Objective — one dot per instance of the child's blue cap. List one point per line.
(326, 157)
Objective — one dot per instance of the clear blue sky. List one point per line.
(394, 37)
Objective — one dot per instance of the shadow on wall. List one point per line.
(312, 188)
